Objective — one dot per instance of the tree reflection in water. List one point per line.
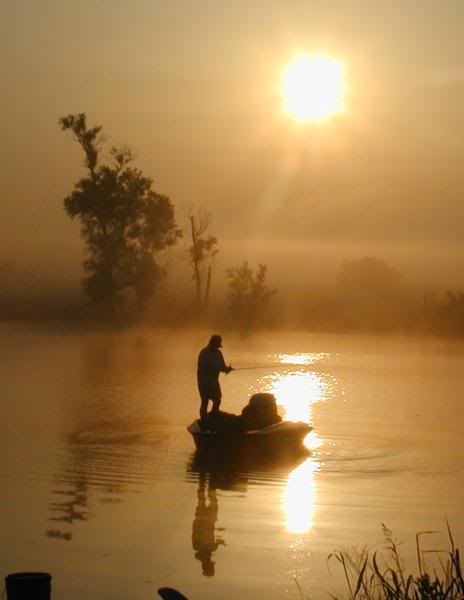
(83, 469)
(73, 506)
(102, 451)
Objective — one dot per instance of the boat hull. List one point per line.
(284, 437)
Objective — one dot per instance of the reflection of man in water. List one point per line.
(203, 529)
(210, 364)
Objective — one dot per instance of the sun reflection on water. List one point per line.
(313, 441)
(297, 390)
(300, 358)
(299, 497)
(296, 393)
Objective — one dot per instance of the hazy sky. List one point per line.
(192, 87)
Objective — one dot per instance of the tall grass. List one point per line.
(382, 576)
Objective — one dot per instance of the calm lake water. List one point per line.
(101, 487)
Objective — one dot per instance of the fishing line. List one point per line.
(277, 366)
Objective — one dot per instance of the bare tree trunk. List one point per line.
(196, 267)
(208, 287)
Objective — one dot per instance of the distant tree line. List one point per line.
(128, 229)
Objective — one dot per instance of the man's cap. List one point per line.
(216, 340)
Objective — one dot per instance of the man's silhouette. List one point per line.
(210, 364)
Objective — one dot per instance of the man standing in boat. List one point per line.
(210, 364)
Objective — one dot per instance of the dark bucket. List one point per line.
(28, 586)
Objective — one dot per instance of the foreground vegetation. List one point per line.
(383, 576)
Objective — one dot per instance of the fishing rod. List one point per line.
(274, 366)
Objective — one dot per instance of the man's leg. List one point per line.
(203, 407)
(216, 400)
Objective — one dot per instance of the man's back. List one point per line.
(210, 364)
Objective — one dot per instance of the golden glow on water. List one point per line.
(313, 441)
(299, 389)
(296, 392)
(300, 358)
(299, 497)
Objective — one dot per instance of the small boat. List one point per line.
(282, 437)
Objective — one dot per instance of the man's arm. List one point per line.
(223, 367)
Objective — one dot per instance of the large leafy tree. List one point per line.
(125, 223)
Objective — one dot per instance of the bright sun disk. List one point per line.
(313, 87)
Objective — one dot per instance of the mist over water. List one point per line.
(102, 488)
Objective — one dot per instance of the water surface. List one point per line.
(101, 486)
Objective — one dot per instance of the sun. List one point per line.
(313, 87)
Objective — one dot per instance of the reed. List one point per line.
(382, 576)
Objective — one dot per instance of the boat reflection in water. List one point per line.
(225, 473)
(206, 536)
(204, 539)
(212, 475)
